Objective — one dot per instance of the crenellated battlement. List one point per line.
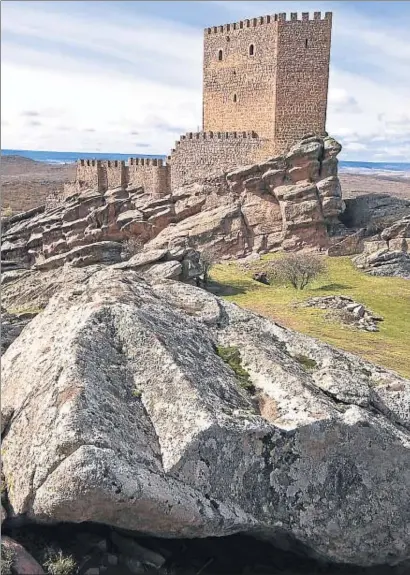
(149, 173)
(215, 136)
(112, 163)
(121, 163)
(268, 19)
(146, 162)
(88, 162)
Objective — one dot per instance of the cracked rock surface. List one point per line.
(118, 408)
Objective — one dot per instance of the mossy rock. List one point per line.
(232, 357)
(305, 361)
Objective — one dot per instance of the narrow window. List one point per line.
(220, 55)
(234, 98)
(251, 50)
(228, 39)
(306, 43)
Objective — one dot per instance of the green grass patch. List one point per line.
(232, 357)
(23, 310)
(385, 296)
(305, 361)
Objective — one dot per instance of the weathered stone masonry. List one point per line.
(150, 173)
(265, 85)
(195, 153)
(269, 75)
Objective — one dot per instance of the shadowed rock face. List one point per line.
(118, 408)
(289, 201)
(374, 211)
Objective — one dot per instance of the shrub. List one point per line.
(297, 269)
(7, 212)
(232, 357)
(131, 246)
(207, 259)
(59, 564)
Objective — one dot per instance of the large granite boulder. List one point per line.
(165, 410)
(399, 229)
(15, 559)
(26, 292)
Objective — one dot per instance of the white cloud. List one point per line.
(113, 76)
(341, 101)
(355, 147)
(112, 109)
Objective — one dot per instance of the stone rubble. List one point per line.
(346, 310)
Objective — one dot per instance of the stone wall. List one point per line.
(238, 90)
(269, 75)
(149, 173)
(112, 174)
(302, 74)
(88, 173)
(202, 154)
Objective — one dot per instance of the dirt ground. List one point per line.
(357, 184)
(25, 183)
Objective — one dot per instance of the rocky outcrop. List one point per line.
(121, 406)
(19, 561)
(397, 231)
(388, 253)
(374, 211)
(347, 311)
(383, 262)
(350, 244)
(290, 201)
(28, 290)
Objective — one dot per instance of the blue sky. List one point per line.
(127, 76)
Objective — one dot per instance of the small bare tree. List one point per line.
(297, 269)
(207, 259)
(130, 247)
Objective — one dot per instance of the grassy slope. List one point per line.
(388, 297)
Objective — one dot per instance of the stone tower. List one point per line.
(268, 75)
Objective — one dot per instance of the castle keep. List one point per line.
(265, 85)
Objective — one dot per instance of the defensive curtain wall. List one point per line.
(150, 173)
